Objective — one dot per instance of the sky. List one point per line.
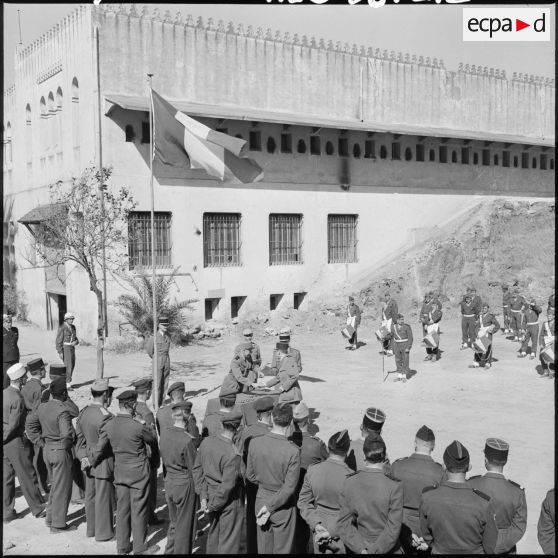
(423, 29)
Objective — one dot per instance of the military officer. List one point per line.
(468, 317)
(546, 526)
(163, 358)
(51, 426)
(353, 319)
(371, 504)
(416, 472)
(255, 354)
(547, 338)
(430, 316)
(10, 350)
(285, 337)
(372, 421)
(99, 468)
(221, 489)
(402, 339)
(486, 325)
(178, 451)
(287, 376)
(506, 300)
(163, 418)
(517, 305)
(66, 341)
(212, 424)
(242, 373)
(456, 518)
(318, 501)
(389, 317)
(17, 458)
(531, 315)
(128, 439)
(274, 465)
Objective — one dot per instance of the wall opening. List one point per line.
(145, 137)
(275, 300)
(301, 146)
(315, 146)
(543, 161)
(383, 152)
(534, 163)
(129, 132)
(255, 140)
(475, 158)
(369, 149)
(443, 154)
(454, 156)
(432, 155)
(343, 147)
(515, 161)
(486, 157)
(211, 305)
(396, 151)
(329, 148)
(286, 143)
(408, 154)
(464, 155)
(524, 160)
(419, 151)
(551, 164)
(496, 160)
(298, 299)
(271, 146)
(356, 151)
(236, 303)
(505, 158)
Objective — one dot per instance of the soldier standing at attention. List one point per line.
(468, 317)
(178, 450)
(254, 348)
(353, 319)
(372, 421)
(66, 341)
(17, 459)
(506, 496)
(517, 305)
(430, 316)
(371, 504)
(318, 501)
(287, 376)
(389, 317)
(456, 518)
(221, 489)
(163, 359)
(163, 418)
(274, 465)
(416, 472)
(486, 325)
(506, 301)
(546, 526)
(10, 350)
(402, 339)
(531, 315)
(99, 468)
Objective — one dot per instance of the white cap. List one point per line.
(16, 371)
(68, 315)
(285, 331)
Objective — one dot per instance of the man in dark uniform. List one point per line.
(212, 424)
(416, 472)
(285, 337)
(485, 326)
(430, 316)
(506, 496)
(178, 451)
(274, 465)
(255, 354)
(17, 458)
(468, 318)
(371, 504)
(99, 468)
(51, 426)
(66, 341)
(221, 489)
(287, 376)
(163, 418)
(389, 317)
(163, 358)
(517, 305)
(242, 373)
(402, 339)
(372, 421)
(546, 526)
(10, 350)
(318, 501)
(531, 315)
(129, 439)
(353, 319)
(456, 518)
(506, 300)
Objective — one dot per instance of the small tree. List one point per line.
(88, 226)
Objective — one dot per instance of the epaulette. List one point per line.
(481, 494)
(104, 411)
(475, 477)
(515, 484)
(429, 488)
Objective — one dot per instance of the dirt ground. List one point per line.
(510, 401)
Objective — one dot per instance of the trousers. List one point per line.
(484, 358)
(277, 536)
(516, 322)
(69, 361)
(467, 330)
(59, 465)
(532, 334)
(99, 508)
(401, 357)
(251, 527)
(181, 502)
(131, 517)
(225, 528)
(40, 468)
(163, 374)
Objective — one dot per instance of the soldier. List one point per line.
(99, 468)
(430, 316)
(128, 439)
(242, 373)
(274, 465)
(506, 301)
(468, 317)
(163, 418)
(517, 305)
(51, 426)
(353, 319)
(163, 359)
(371, 504)
(402, 339)
(372, 421)
(506, 496)
(285, 337)
(17, 458)
(416, 472)
(547, 338)
(456, 518)
(389, 317)
(10, 350)
(546, 526)
(255, 354)
(531, 315)
(212, 423)
(178, 450)
(476, 300)
(221, 488)
(485, 326)
(66, 341)
(318, 501)
(287, 376)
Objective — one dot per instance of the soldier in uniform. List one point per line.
(546, 526)
(128, 438)
(531, 315)
(99, 468)
(318, 501)
(353, 319)
(430, 316)
(506, 496)
(402, 339)
(285, 337)
(476, 300)
(371, 504)
(51, 426)
(274, 465)
(456, 518)
(486, 325)
(17, 458)
(416, 472)
(163, 359)
(548, 337)
(255, 355)
(517, 305)
(468, 317)
(242, 373)
(163, 418)
(178, 450)
(212, 424)
(66, 341)
(221, 489)
(506, 300)
(287, 376)
(372, 421)
(10, 350)
(389, 317)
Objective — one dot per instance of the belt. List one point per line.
(410, 508)
(515, 310)
(58, 445)
(68, 342)
(400, 340)
(505, 305)
(532, 323)
(468, 315)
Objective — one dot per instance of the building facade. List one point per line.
(360, 150)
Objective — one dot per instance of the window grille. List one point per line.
(221, 239)
(285, 239)
(139, 239)
(342, 238)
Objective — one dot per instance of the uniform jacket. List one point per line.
(144, 413)
(509, 503)
(506, 299)
(241, 375)
(88, 427)
(457, 519)
(163, 345)
(485, 320)
(355, 457)
(477, 304)
(354, 311)
(13, 414)
(402, 332)
(178, 451)
(287, 378)
(163, 419)
(247, 434)
(312, 449)
(274, 465)
(254, 353)
(468, 308)
(212, 423)
(34, 393)
(546, 526)
(390, 311)
(531, 314)
(66, 334)
(430, 311)
(52, 424)
(10, 349)
(371, 512)
(291, 351)
(517, 303)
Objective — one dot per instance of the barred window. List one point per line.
(139, 239)
(221, 239)
(342, 238)
(285, 238)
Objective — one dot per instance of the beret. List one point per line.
(263, 404)
(247, 332)
(35, 364)
(186, 405)
(100, 385)
(58, 385)
(374, 419)
(373, 443)
(301, 411)
(456, 455)
(57, 370)
(425, 434)
(176, 385)
(127, 395)
(340, 442)
(496, 450)
(17, 370)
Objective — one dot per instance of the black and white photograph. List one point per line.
(279, 278)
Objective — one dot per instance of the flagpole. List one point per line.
(155, 393)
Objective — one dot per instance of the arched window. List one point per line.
(75, 124)
(271, 146)
(301, 146)
(51, 114)
(75, 90)
(408, 154)
(43, 123)
(58, 122)
(475, 158)
(28, 134)
(534, 163)
(383, 152)
(356, 151)
(432, 155)
(8, 144)
(329, 148)
(28, 114)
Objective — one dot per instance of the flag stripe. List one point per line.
(204, 155)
